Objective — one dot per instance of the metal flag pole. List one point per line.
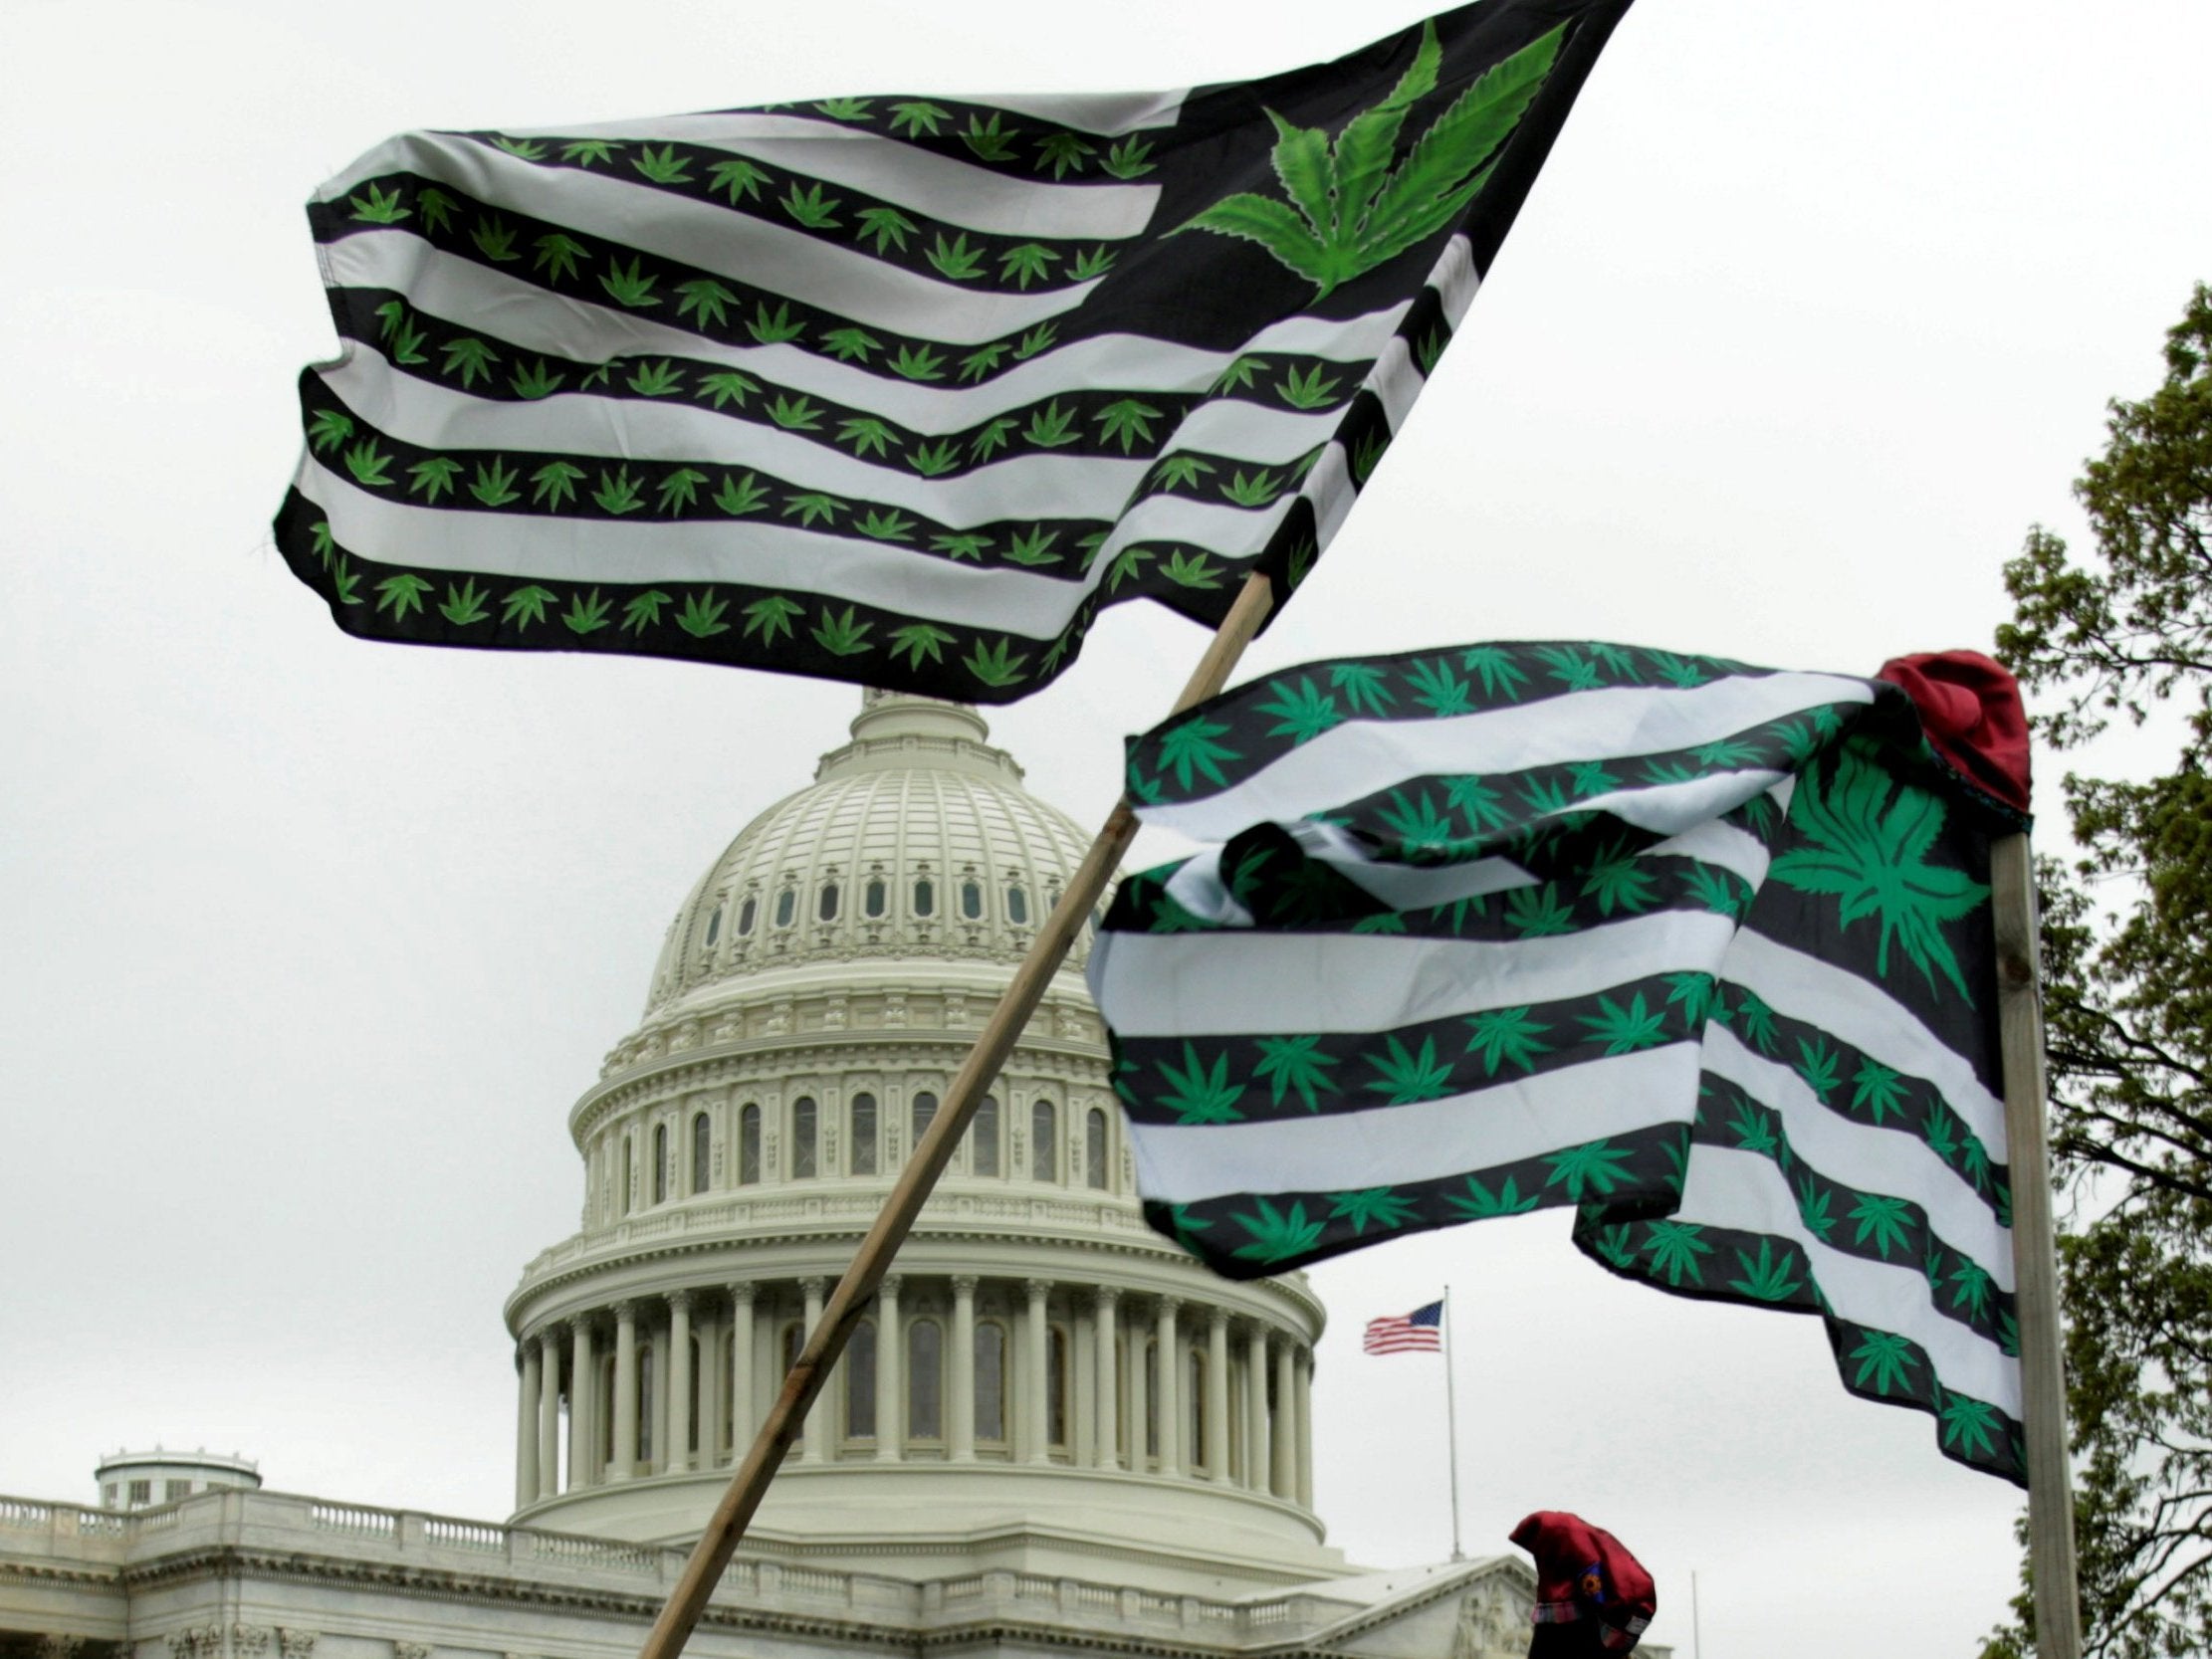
(841, 1312)
(2050, 1562)
(1451, 1426)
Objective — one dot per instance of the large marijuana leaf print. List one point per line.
(1348, 210)
(1864, 842)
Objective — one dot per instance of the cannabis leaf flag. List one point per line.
(1700, 949)
(901, 390)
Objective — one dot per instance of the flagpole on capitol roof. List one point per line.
(1451, 1426)
(2051, 1558)
(840, 1315)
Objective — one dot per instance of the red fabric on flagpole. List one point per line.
(1971, 710)
(1592, 1595)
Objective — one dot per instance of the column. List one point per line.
(548, 1412)
(817, 1426)
(677, 1438)
(1302, 1438)
(744, 1422)
(584, 1406)
(623, 1464)
(1102, 1407)
(890, 1372)
(714, 1351)
(1171, 1390)
(1216, 1395)
(962, 1442)
(1133, 1383)
(1040, 1378)
(525, 1429)
(1256, 1407)
(1283, 1476)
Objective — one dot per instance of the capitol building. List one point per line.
(1053, 1432)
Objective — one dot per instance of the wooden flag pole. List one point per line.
(841, 1312)
(2051, 1562)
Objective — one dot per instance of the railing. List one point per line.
(354, 1519)
(464, 1535)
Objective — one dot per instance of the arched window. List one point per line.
(749, 1145)
(1056, 1387)
(971, 898)
(1195, 1451)
(982, 1137)
(648, 1373)
(1017, 905)
(925, 1380)
(745, 914)
(876, 897)
(629, 1172)
(702, 1151)
(1094, 1148)
(1044, 1141)
(862, 1139)
(698, 1376)
(825, 907)
(803, 1136)
(714, 926)
(1152, 1400)
(991, 1381)
(860, 1382)
(924, 1108)
(787, 906)
(924, 897)
(606, 1415)
(660, 1163)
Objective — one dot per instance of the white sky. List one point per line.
(308, 944)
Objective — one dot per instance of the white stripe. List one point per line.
(937, 186)
(1662, 807)
(535, 321)
(804, 562)
(1394, 1144)
(744, 249)
(1099, 112)
(1729, 1189)
(1887, 1162)
(1203, 984)
(1857, 1011)
(1361, 757)
(1230, 426)
(1034, 486)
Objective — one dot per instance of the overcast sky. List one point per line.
(308, 944)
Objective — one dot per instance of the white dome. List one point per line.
(916, 841)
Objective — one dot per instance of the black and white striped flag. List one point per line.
(1702, 951)
(901, 390)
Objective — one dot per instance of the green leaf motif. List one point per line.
(1627, 1030)
(367, 464)
(1767, 1279)
(1381, 1206)
(401, 593)
(700, 616)
(771, 616)
(841, 633)
(706, 298)
(632, 287)
(327, 429)
(1302, 712)
(1348, 209)
(586, 615)
(812, 207)
(524, 606)
(996, 665)
(433, 477)
(1885, 1362)
(773, 328)
(380, 207)
(661, 379)
(1307, 391)
(644, 610)
(1064, 154)
(1295, 1064)
(988, 140)
(1868, 837)
(463, 603)
(1403, 1078)
(679, 490)
(1200, 1094)
(536, 381)
(1969, 1425)
(1127, 422)
(495, 240)
(1507, 1038)
(665, 167)
(1193, 746)
(1881, 1223)
(918, 642)
(555, 484)
(1481, 1205)
(728, 386)
(1592, 1168)
(918, 118)
(588, 152)
(1277, 1236)
(1037, 340)
(618, 493)
(739, 180)
(742, 496)
(1052, 427)
(955, 261)
(1126, 159)
(1676, 1247)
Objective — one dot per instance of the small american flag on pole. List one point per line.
(1419, 1331)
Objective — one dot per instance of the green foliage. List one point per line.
(1296, 1065)
(1676, 1247)
(524, 606)
(772, 616)
(1037, 339)
(463, 603)
(700, 616)
(618, 493)
(996, 665)
(1199, 1093)
(930, 460)
(1348, 209)
(534, 381)
(401, 593)
(1025, 263)
(962, 545)
(955, 261)
(988, 140)
(884, 524)
(2127, 1002)
(911, 363)
(664, 168)
(632, 287)
(1592, 1169)
(643, 611)
(1384, 1206)
(1768, 1275)
(1127, 422)
(981, 361)
(661, 379)
(586, 613)
(1277, 1236)
(1126, 159)
(1180, 471)
(367, 464)
(918, 642)
(1063, 152)
(588, 152)
(728, 385)
(555, 484)
(327, 429)
(773, 328)
(380, 207)
(1256, 491)
(679, 490)
(812, 207)
(918, 118)
(795, 413)
(433, 478)
(1307, 389)
(1193, 746)
(707, 298)
(525, 149)
(1034, 546)
(495, 240)
(866, 433)
(845, 108)
(738, 179)
(841, 633)
(1052, 426)
(1481, 1205)
(811, 507)
(1302, 712)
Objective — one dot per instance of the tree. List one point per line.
(2127, 965)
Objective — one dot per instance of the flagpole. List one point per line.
(1451, 1426)
(2051, 1558)
(841, 1312)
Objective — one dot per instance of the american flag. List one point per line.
(1419, 1331)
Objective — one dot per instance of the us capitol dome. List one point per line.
(1041, 1378)
(1052, 1434)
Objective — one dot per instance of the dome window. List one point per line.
(1017, 905)
(925, 1364)
(864, 1138)
(660, 1163)
(787, 906)
(1094, 1148)
(826, 905)
(982, 1137)
(714, 926)
(925, 1109)
(804, 1137)
(924, 897)
(991, 1381)
(745, 914)
(972, 899)
(859, 1366)
(876, 898)
(702, 1151)
(749, 1145)
(1044, 1149)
